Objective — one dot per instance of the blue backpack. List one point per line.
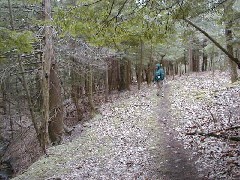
(159, 74)
(162, 74)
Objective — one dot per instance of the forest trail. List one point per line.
(139, 135)
(132, 138)
(177, 164)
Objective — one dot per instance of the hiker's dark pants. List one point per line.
(159, 87)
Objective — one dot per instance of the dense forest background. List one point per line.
(61, 59)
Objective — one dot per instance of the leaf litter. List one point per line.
(208, 114)
(124, 140)
(116, 144)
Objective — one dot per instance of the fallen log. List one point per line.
(216, 135)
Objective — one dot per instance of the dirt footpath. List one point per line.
(177, 164)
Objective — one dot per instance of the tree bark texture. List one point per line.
(3, 100)
(113, 74)
(204, 62)
(129, 70)
(204, 56)
(194, 59)
(229, 37)
(106, 84)
(56, 107)
(150, 68)
(38, 86)
(76, 92)
(47, 60)
(90, 90)
(191, 55)
(122, 76)
(140, 66)
(124, 82)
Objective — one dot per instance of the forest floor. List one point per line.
(190, 133)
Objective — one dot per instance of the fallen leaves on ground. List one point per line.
(117, 144)
(207, 111)
(124, 140)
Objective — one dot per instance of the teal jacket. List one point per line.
(159, 73)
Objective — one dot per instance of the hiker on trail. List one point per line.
(159, 76)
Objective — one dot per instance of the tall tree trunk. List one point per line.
(75, 92)
(129, 78)
(210, 66)
(47, 60)
(118, 80)
(195, 60)
(4, 98)
(179, 67)
(176, 69)
(38, 87)
(90, 91)
(56, 107)
(122, 84)
(185, 62)
(204, 56)
(126, 76)
(53, 126)
(110, 76)
(204, 62)
(173, 71)
(150, 67)
(190, 55)
(106, 84)
(228, 33)
(139, 78)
